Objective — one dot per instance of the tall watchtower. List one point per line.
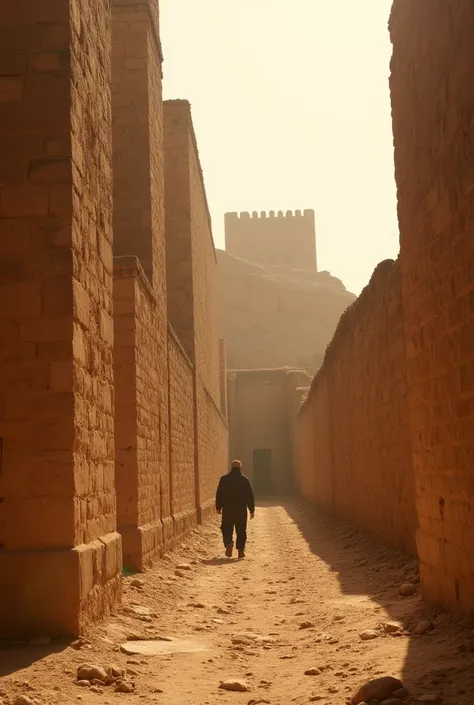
(287, 239)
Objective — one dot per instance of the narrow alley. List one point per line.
(313, 611)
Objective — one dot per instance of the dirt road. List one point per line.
(299, 602)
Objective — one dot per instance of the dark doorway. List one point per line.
(262, 472)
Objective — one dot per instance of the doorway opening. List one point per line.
(262, 472)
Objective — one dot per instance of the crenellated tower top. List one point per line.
(273, 238)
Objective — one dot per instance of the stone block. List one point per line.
(59, 592)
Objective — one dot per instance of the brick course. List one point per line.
(432, 108)
(141, 422)
(192, 297)
(80, 123)
(141, 354)
(182, 441)
(60, 554)
(212, 446)
(354, 446)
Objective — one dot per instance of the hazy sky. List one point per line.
(291, 109)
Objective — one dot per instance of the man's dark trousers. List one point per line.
(227, 528)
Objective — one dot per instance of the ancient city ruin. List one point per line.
(133, 373)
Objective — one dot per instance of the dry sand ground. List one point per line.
(300, 600)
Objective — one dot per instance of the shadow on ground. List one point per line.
(220, 561)
(435, 662)
(15, 657)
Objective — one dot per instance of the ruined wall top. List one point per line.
(380, 282)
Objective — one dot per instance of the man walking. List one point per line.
(233, 498)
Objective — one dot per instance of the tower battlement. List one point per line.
(273, 238)
(271, 214)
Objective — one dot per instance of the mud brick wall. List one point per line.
(259, 409)
(191, 290)
(297, 386)
(59, 552)
(204, 264)
(179, 268)
(212, 447)
(191, 259)
(212, 431)
(314, 467)
(433, 123)
(355, 453)
(181, 432)
(141, 418)
(139, 248)
(223, 376)
(138, 136)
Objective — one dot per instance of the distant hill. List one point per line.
(275, 317)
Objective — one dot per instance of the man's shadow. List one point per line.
(221, 561)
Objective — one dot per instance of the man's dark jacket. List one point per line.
(234, 497)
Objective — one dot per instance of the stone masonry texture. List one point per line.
(60, 554)
(192, 295)
(112, 426)
(141, 418)
(141, 326)
(354, 451)
(182, 441)
(433, 125)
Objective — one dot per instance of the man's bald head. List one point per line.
(236, 464)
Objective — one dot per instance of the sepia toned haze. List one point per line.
(136, 361)
(291, 104)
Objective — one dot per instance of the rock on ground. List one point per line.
(235, 685)
(376, 689)
(369, 634)
(91, 672)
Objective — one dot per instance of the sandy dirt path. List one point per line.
(299, 601)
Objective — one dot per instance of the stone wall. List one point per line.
(354, 446)
(264, 314)
(141, 419)
(179, 268)
(260, 410)
(192, 296)
(57, 514)
(191, 258)
(287, 239)
(139, 247)
(79, 124)
(223, 376)
(212, 450)
(182, 440)
(433, 109)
